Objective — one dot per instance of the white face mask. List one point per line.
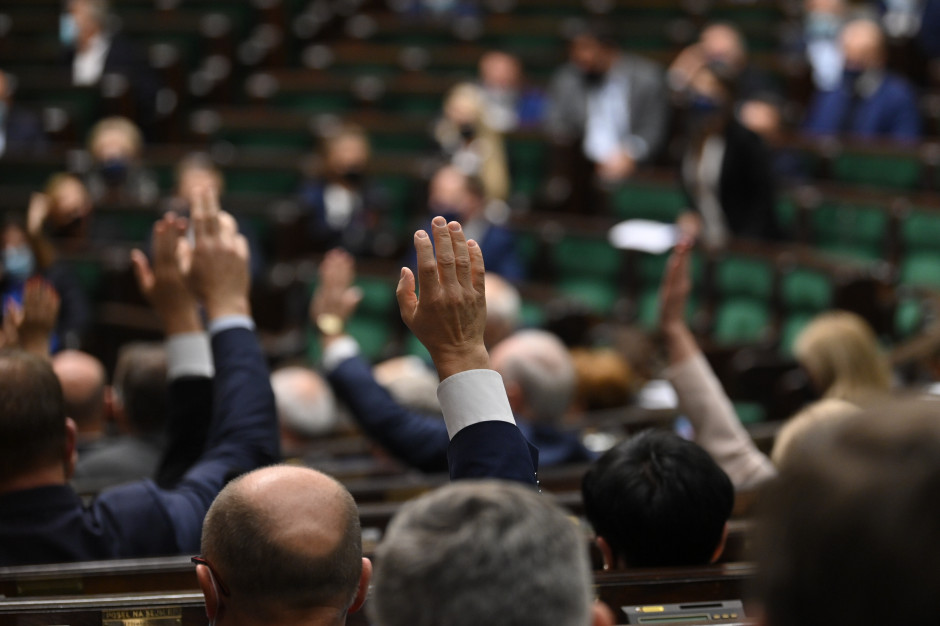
(19, 262)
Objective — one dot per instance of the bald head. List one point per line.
(83, 381)
(539, 374)
(503, 309)
(306, 407)
(286, 541)
(863, 44)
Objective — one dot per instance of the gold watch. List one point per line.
(330, 324)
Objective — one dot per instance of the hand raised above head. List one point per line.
(218, 274)
(37, 320)
(335, 294)
(163, 284)
(449, 316)
(675, 288)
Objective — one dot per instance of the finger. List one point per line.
(164, 243)
(228, 227)
(407, 298)
(213, 212)
(199, 217)
(477, 268)
(428, 282)
(461, 255)
(446, 269)
(142, 271)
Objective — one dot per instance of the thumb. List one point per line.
(142, 271)
(407, 298)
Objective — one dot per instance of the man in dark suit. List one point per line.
(20, 129)
(870, 102)
(92, 51)
(462, 198)
(283, 545)
(535, 370)
(41, 518)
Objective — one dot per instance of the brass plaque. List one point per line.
(163, 616)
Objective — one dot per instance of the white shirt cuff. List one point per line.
(227, 322)
(189, 354)
(471, 397)
(341, 349)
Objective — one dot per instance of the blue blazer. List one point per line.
(422, 442)
(50, 524)
(891, 112)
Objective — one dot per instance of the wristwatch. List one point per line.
(330, 324)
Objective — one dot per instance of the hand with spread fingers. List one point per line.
(335, 299)
(163, 284)
(37, 320)
(450, 314)
(218, 274)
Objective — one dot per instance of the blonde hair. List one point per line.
(121, 125)
(841, 354)
(805, 425)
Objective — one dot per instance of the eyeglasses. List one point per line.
(199, 560)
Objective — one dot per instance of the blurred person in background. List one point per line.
(469, 143)
(726, 170)
(608, 102)
(117, 175)
(509, 102)
(20, 129)
(344, 207)
(870, 101)
(94, 50)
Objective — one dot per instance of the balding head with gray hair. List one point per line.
(538, 373)
(486, 552)
(503, 309)
(305, 404)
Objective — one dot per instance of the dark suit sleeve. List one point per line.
(418, 440)
(147, 520)
(492, 449)
(747, 191)
(189, 414)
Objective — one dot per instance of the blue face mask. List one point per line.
(702, 105)
(114, 172)
(19, 262)
(822, 26)
(68, 30)
(851, 76)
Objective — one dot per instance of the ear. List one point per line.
(364, 579)
(70, 452)
(721, 544)
(516, 397)
(606, 552)
(208, 591)
(601, 615)
(113, 409)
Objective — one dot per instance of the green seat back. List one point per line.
(652, 202)
(920, 231)
(921, 270)
(896, 172)
(850, 230)
(742, 276)
(805, 290)
(740, 321)
(586, 258)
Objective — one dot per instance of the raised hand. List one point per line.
(38, 213)
(673, 297)
(218, 274)
(450, 315)
(335, 299)
(164, 285)
(37, 320)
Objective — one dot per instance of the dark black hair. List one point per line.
(32, 415)
(658, 500)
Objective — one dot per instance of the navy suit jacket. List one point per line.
(422, 441)
(50, 524)
(891, 112)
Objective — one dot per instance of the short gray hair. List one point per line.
(305, 403)
(540, 364)
(484, 552)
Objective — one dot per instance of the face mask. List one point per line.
(592, 78)
(703, 105)
(114, 172)
(822, 26)
(850, 76)
(352, 177)
(19, 262)
(449, 212)
(467, 132)
(68, 31)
